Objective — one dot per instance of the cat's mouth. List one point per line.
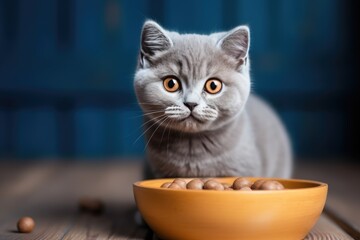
(191, 117)
(189, 123)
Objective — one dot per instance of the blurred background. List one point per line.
(67, 66)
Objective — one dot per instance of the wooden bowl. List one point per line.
(208, 214)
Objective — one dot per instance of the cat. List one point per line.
(200, 119)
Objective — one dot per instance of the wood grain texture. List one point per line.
(326, 229)
(54, 204)
(348, 227)
(16, 181)
(344, 191)
(50, 192)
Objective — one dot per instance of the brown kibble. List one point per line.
(180, 182)
(195, 184)
(25, 225)
(213, 185)
(241, 183)
(91, 205)
(271, 185)
(257, 184)
(245, 189)
(175, 186)
(165, 185)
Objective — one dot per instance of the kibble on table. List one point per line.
(25, 225)
(91, 205)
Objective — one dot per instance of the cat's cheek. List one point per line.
(156, 93)
(234, 100)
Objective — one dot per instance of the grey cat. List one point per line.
(200, 118)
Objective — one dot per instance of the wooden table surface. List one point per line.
(49, 192)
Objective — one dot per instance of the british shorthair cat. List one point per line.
(200, 119)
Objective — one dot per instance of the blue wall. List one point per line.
(66, 70)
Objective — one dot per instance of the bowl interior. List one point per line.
(289, 184)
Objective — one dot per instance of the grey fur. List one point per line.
(231, 133)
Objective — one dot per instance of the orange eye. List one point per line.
(171, 84)
(213, 86)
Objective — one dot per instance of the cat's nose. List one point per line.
(190, 105)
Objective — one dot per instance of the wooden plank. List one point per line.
(7, 171)
(89, 227)
(43, 204)
(52, 193)
(114, 187)
(327, 229)
(54, 206)
(27, 198)
(22, 182)
(349, 228)
(15, 175)
(142, 233)
(343, 195)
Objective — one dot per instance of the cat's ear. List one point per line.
(236, 43)
(154, 39)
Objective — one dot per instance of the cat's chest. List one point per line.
(198, 161)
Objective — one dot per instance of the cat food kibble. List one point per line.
(25, 225)
(239, 184)
(195, 184)
(213, 185)
(271, 185)
(257, 184)
(180, 182)
(91, 205)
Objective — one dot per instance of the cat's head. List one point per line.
(192, 82)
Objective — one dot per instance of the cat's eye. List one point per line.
(213, 86)
(171, 84)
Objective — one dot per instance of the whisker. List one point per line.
(154, 132)
(145, 114)
(167, 145)
(142, 125)
(164, 131)
(149, 128)
(144, 103)
(181, 135)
